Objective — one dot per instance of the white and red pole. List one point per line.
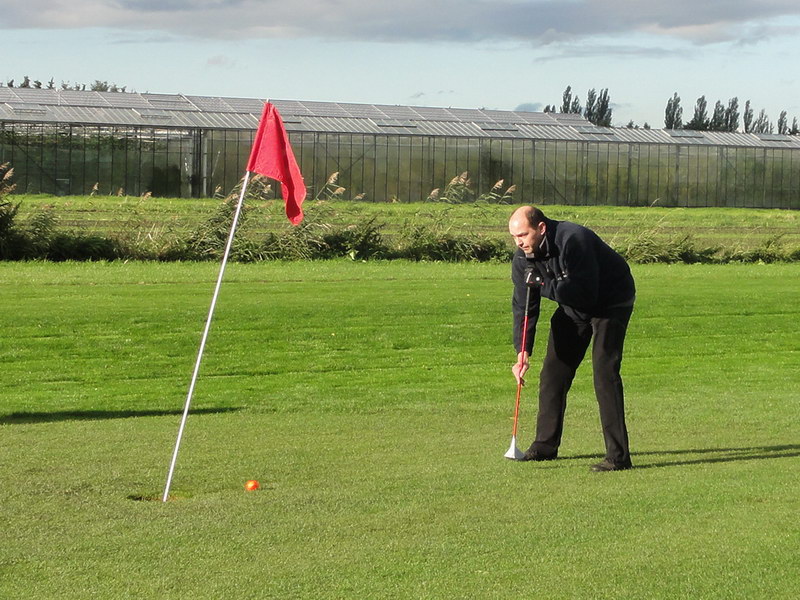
(205, 334)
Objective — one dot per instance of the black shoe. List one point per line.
(608, 465)
(533, 454)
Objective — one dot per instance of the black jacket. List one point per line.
(573, 267)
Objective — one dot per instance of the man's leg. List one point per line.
(566, 347)
(609, 339)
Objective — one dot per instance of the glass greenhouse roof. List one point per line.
(28, 105)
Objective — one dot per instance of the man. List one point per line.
(595, 293)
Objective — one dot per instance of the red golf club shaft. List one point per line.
(522, 351)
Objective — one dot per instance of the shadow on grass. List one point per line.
(20, 418)
(723, 455)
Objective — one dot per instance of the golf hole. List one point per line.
(151, 498)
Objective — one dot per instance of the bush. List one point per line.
(10, 238)
(64, 246)
(453, 248)
(209, 240)
(645, 248)
(438, 238)
(770, 251)
(38, 239)
(316, 239)
(25, 242)
(459, 191)
(361, 240)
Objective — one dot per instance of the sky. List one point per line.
(494, 54)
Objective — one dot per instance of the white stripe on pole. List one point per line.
(205, 334)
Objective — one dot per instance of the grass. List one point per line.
(732, 228)
(372, 401)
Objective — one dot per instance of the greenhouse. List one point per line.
(68, 142)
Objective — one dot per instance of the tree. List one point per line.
(591, 101)
(566, 100)
(673, 115)
(794, 130)
(762, 124)
(783, 125)
(570, 103)
(97, 86)
(603, 109)
(65, 85)
(748, 117)
(717, 122)
(700, 119)
(598, 108)
(732, 115)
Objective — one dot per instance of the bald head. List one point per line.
(530, 214)
(527, 227)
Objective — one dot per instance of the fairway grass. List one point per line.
(372, 401)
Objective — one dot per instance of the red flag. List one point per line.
(272, 156)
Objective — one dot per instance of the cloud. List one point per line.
(530, 107)
(536, 21)
(583, 50)
(221, 61)
(420, 95)
(759, 32)
(146, 37)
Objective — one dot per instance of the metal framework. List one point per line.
(67, 142)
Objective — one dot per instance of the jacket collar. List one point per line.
(547, 248)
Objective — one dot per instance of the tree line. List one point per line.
(597, 109)
(97, 86)
(724, 117)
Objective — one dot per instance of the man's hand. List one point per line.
(520, 367)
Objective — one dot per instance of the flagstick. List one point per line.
(205, 334)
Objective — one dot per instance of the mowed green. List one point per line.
(373, 402)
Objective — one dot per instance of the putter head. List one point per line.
(513, 453)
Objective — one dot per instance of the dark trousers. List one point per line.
(570, 334)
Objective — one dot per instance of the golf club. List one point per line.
(513, 452)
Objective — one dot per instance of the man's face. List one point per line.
(525, 236)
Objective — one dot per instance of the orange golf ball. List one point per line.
(251, 486)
